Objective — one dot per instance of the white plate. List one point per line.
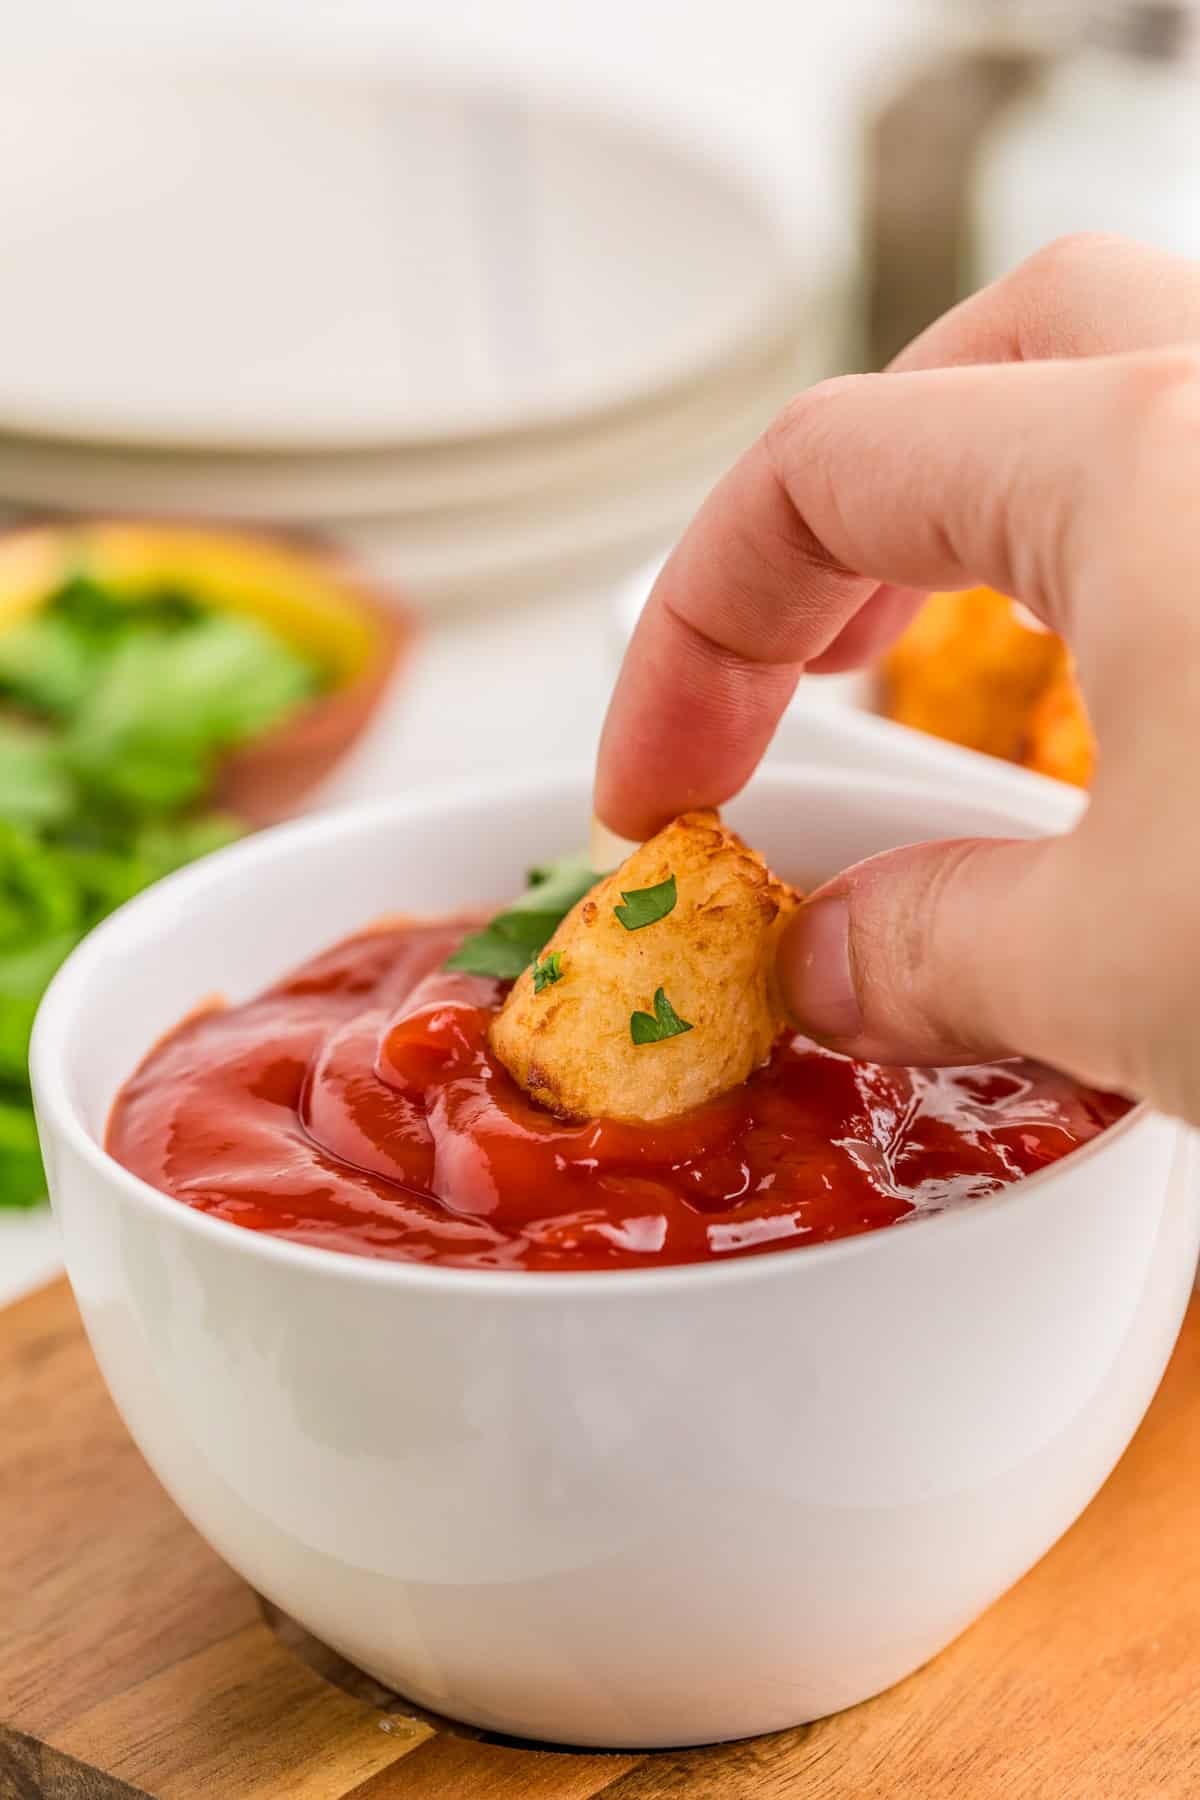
(533, 468)
(536, 516)
(590, 528)
(292, 260)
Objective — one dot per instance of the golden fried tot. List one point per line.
(657, 991)
(977, 669)
(1059, 740)
(970, 668)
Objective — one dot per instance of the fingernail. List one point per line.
(815, 974)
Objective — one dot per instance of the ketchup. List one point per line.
(357, 1106)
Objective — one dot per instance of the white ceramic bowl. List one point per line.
(641, 1508)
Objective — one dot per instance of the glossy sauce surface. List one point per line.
(356, 1106)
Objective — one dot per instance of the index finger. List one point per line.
(1089, 294)
(936, 479)
(753, 593)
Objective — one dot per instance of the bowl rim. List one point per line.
(58, 1116)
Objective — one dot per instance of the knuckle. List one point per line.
(1045, 298)
(926, 923)
(803, 420)
(906, 939)
(1134, 481)
(1154, 990)
(1159, 393)
(1151, 1054)
(1063, 262)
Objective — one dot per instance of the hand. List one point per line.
(1043, 439)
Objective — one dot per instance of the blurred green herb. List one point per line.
(516, 936)
(114, 714)
(22, 1182)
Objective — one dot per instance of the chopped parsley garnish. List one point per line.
(664, 1022)
(548, 971)
(646, 906)
(516, 937)
(489, 952)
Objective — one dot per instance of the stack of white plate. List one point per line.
(488, 341)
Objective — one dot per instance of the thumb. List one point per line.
(954, 952)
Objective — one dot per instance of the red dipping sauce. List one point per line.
(357, 1106)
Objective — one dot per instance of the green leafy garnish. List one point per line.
(37, 896)
(664, 1022)
(22, 1181)
(36, 789)
(489, 952)
(120, 709)
(49, 660)
(646, 906)
(552, 891)
(515, 937)
(166, 704)
(24, 975)
(169, 844)
(548, 971)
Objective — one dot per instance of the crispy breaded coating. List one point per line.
(572, 1045)
(970, 668)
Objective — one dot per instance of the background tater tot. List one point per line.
(1060, 741)
(976, 669)
(970, 669)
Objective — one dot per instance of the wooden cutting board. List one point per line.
(133, 1662)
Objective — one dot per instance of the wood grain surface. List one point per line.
(133, 1662)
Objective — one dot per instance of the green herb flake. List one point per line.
(548, 971)
(517, 935)
(646, 906)
(664, 1022)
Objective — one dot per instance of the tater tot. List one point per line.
(1059, 741)
(698, 974)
